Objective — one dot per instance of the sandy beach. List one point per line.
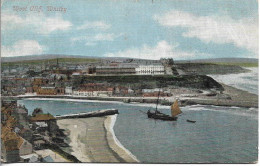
(238, 98)
(92, 140)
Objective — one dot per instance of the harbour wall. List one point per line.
(88, 114)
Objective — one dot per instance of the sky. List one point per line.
(147, 29)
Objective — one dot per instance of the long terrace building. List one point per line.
(150, 70)
(116, 69)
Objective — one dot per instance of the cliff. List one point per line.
(149, 81)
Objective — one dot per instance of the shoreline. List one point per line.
(109, 125)
(239, 98)
(94, 140)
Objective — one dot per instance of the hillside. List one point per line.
(242, 62)
(149, 81)
(51, 61)
(209, 68)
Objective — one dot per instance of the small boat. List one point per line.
(191, 121)
(160, 116)
(175, 110)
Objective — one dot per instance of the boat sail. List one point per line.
(158, 115)
(175, 109)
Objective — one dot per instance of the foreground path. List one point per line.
(91, 141)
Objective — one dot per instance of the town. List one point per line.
(58, 78)
(37, 137)
(30, 138)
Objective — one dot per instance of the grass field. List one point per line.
(51, 61)
(241, 64)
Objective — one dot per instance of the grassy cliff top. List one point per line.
(52, 61)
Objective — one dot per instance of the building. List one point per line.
(47, 91)
(21, 116)
(26, 134)
(48, 119)
(121, 91)
(83, 93)
(103, 93)
(155, 93)
(29, 89)
(94, 93)
(30, 158)
(150, 70)
(116, 69)
(47, 159)
(60, 90)
(13, 146)
(68, 91)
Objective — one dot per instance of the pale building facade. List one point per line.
(93, 93)
(68, 91)
(150, 70)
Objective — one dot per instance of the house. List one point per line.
(47, 159)
(60, 90)
(119, 90)
(68, 90)
(21, 116)
(155, 93)
(103, 93)
(94, 90)
(39, 143)
(83, 93)
(26, 134)
(13, 146)
(47, 91)
(47, 119)
(30, 158)
(29, 89)
(11, 122)
(39, 81)
(5, 112)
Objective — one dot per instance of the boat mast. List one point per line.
(157, 100)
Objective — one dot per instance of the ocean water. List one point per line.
(245, 81)
(220, 135)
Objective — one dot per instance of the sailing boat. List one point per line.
(175, 110)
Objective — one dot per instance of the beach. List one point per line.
(93, 140)
(237, 98)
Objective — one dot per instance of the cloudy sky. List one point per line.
(181, 29)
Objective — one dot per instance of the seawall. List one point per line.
(98, 113)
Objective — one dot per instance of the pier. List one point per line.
(98, 113)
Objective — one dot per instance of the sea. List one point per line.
(245, 81)
(220, 134)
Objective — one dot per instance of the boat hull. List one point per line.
(161, 116)
(191, 121)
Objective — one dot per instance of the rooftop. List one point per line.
(11, 140)
(43, 117)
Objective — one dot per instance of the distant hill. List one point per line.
(220, 60)
(229, 61)
(42, 57)
(243, 62)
